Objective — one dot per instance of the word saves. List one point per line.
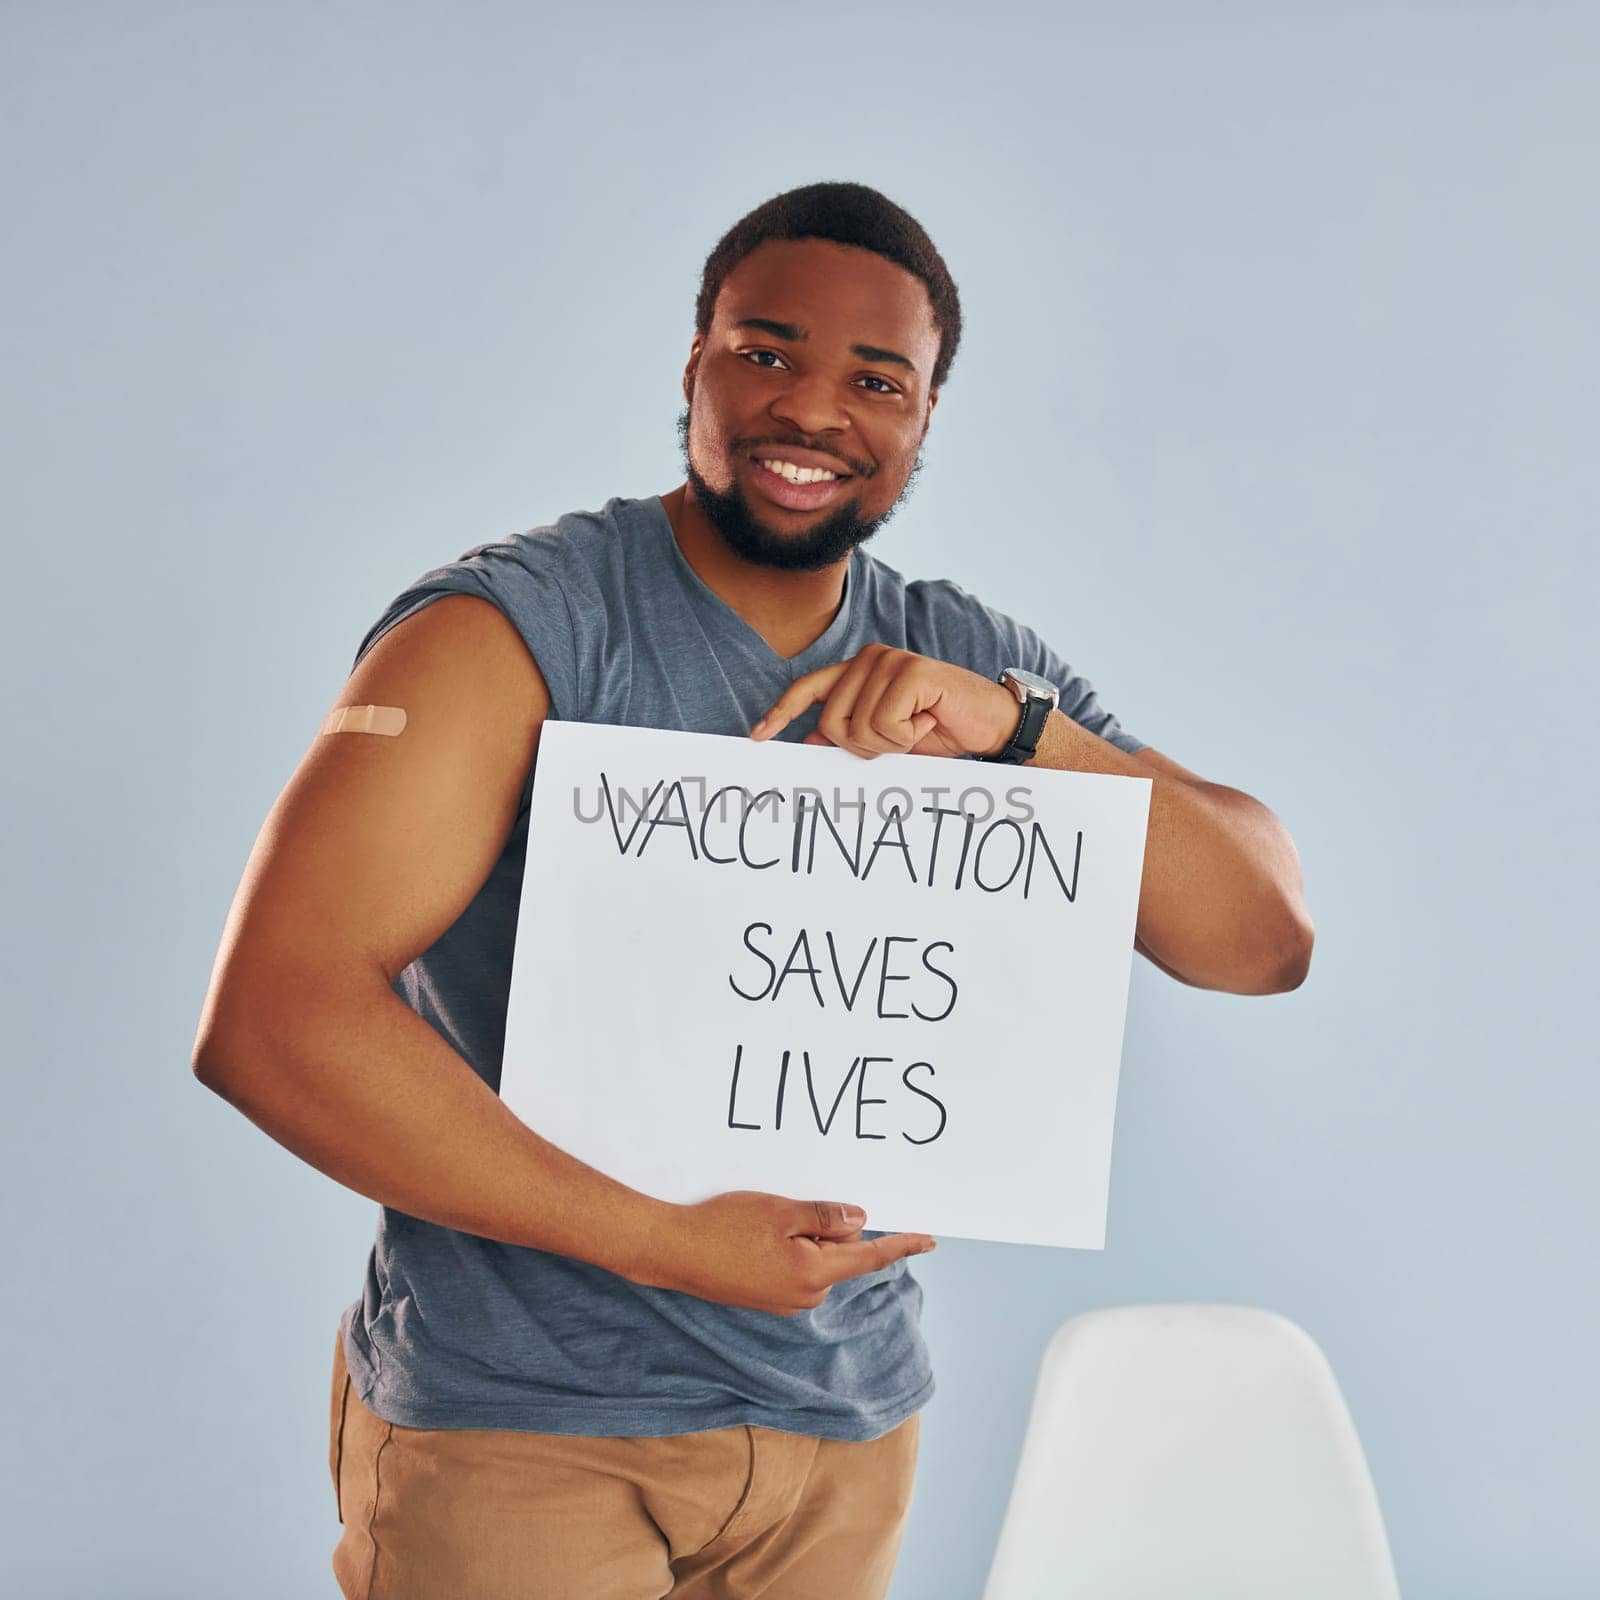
(817, 970)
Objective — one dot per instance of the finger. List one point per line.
(805, 691)
(842, 1261)
(836, 722)
(902, 714)
(881, 717)
(825, 1219)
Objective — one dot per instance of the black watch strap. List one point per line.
(1025, 741)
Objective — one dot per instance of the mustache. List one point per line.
(858, 469)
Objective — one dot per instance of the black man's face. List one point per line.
(815, 367)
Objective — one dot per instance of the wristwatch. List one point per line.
(1038, 698)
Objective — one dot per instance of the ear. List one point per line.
(927, 421)
(696, 349)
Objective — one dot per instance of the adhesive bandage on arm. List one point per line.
(387, 720)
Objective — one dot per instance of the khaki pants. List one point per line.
(491, 1514)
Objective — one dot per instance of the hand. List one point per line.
(888, 700)
(765, 1253)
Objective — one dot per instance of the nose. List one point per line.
(810, 405)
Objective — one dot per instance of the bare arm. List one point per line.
(374, 848)
(1222, 902)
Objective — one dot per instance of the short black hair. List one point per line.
(849, 214)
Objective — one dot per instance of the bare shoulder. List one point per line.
(464, 700)
(457, 637)
(390, 823)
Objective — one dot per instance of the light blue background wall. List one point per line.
(1275, 414)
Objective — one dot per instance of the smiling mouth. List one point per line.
(805, 491)
(794, 472)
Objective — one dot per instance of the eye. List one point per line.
(888, 388)
(750, 355)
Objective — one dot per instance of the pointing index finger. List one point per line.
(804, 691)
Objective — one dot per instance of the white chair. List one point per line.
(1180, 1452)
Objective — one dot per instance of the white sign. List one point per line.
(764, 965)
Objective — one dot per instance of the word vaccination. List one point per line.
(994, 856)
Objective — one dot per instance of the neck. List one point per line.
(790, 610)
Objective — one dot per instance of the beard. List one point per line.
(747, 536)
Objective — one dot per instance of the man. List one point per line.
(551, 1384)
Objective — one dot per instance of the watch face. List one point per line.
(1035, 684)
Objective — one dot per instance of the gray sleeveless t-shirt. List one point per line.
(456, 1331)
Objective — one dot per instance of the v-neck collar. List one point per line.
(820, 652)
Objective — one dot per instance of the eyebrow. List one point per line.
(797, 335)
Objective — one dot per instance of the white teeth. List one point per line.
(794, 474)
